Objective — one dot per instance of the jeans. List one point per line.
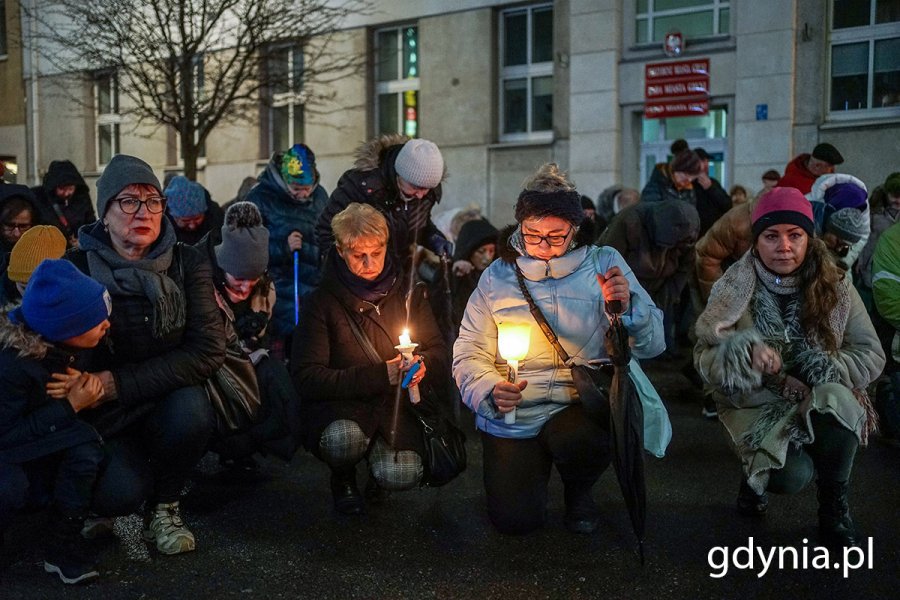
(152, 459)
(517, 471)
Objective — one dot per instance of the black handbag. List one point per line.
(591, 382)
(233, 389)
(444, 442)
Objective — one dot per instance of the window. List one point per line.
(693, 18)
(397, 80)
(198, 81)
(108, 119)
(865, 57)
(286, 101)
(709, 132)
(526, 73)
(3, 48)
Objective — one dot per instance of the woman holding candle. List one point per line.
(571, 282)
(348, 399)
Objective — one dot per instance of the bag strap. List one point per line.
(541, 319)
(361, 338)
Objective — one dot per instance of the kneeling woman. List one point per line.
(786, 341)
(569, 280)
(348, 401)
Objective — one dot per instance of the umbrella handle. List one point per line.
(296, 287)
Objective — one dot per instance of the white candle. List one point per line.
(404, 338)
(510, 417)
(512, 342)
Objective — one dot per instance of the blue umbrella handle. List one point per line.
(296, 287)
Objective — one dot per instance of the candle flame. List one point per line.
(513, 340)
(404, 338)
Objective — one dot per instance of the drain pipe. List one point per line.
(33, 75)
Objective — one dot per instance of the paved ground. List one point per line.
(279, 538)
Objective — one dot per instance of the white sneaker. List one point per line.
(164, 526)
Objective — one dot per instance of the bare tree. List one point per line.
(191, 64)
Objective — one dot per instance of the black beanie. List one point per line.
(559, 203)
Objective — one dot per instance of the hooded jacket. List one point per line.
(282, 215)
(822, 210)
(76, 212)
(566, 290)
(373, 180)
(657, 241)
(32, 424)
(662, 187)
(472, 236)
(797, 175)
(886, 276)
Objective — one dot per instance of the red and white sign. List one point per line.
(676, 89)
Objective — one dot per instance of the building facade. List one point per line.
(502, 87)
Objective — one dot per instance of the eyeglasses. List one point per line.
(552, 240)
(131, 205)
(20, 226)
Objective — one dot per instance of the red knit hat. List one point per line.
(782, 205)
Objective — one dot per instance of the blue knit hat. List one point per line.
(298, 165)
(185, 198)
(61, 302)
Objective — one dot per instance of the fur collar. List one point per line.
(18, 337)
(371, 154)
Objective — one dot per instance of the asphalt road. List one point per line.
(280, 538)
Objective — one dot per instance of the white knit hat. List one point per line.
(420, 163)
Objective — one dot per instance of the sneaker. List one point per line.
(98, 527)
(164, 526)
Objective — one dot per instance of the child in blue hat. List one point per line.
(63, 313)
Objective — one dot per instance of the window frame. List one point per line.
(870, 34)
(396, 86)
(717, 6)
(112, 119)
(529, 71)
(4, 32)
(295, 97)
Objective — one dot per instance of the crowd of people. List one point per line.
(116, 323)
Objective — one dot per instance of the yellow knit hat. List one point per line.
(36, 244)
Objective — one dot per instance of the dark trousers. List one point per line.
(830, 456)
(152, 459)
(517, 471)
(65, 478)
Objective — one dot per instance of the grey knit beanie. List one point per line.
(122, 171)
(848, 224)
(244, 250)
(420, 163)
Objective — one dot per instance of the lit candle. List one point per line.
(405, 348)
(404, 338)
(513, 340)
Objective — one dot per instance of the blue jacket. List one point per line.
(32, 424)
(567, 292)
(282, 215)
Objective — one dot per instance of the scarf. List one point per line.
(733, 293)
(370, 291)
(145, 277)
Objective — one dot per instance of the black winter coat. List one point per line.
(373, 182)
(711, 203)
(32, 424)
(76, 212)
(145, 368)
(335, 378)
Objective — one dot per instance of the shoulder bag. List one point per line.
(444, 442)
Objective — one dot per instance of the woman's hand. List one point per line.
(420, 374)
(295, 241)
(794, 389)
(462, 267)
(508, 395)
(765, 359)
(393, 369)
(614, 286)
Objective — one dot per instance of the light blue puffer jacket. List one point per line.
(567, 292)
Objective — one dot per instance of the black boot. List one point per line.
(835, 524)
(376, 494)
(347, 499)
(749, 503)
(67, 554)
(582, 514)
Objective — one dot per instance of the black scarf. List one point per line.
(370, 291)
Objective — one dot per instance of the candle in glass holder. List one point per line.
(513, 340)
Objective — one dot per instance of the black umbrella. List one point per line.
(626, 422)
